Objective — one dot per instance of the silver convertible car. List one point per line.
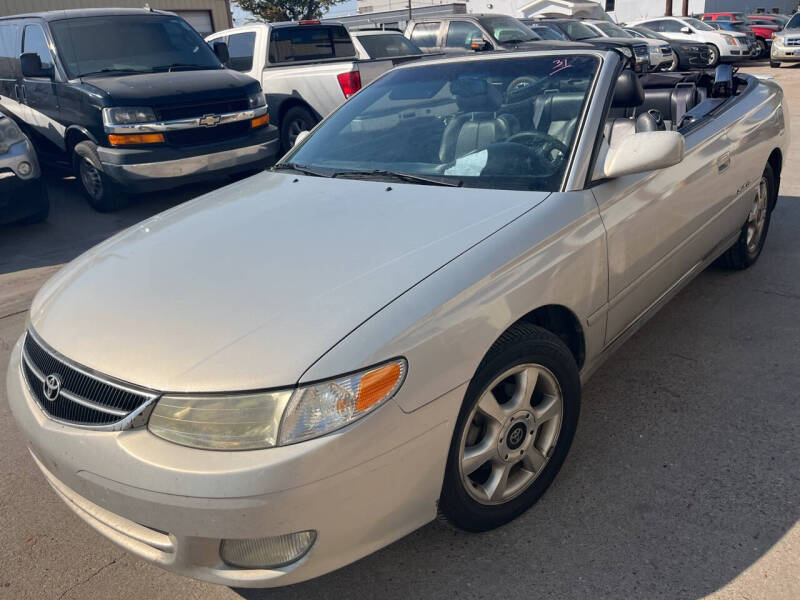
(282, 376)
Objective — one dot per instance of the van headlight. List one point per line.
(128, 115)
(249, 421)
(256, 100)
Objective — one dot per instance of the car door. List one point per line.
(241, 49)
(661, 225)
(459, 36)
(426, 35)
(40, 95)
(671, 28)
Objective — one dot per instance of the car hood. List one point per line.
(246, 287)
(178, 87)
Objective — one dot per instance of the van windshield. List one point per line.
(119, 44)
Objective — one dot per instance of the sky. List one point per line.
(348, 7)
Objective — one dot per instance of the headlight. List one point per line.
(730, 40)
(320, 408)
(256, 100)
(126, 115)
(249, 421)
(10, 134)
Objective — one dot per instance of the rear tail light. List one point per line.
(309, 22)
(350, 82)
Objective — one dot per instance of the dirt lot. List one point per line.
(683, 481)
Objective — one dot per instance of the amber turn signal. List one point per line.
(260, 121)
(136, 139)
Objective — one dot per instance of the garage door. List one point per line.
(199, 19)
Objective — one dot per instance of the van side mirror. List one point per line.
(686, 30)
(31, 64)
(221, 50)
(645, 151)
(479, 43)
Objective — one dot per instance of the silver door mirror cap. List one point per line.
(645, 151)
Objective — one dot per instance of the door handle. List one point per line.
(723, 162)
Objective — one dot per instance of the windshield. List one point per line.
(699, 25)
(794, 22)
(388, 44)
(130, 43)
(612, 30)
(507, 29)
(576, 31)
(497, 124)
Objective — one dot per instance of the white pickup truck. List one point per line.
(306, 69)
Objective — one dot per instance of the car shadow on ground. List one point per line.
(73, 226)
(682, 475)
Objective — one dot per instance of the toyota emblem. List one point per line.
(52, 387)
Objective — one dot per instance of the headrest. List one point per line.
(476, 95)
(628, 92)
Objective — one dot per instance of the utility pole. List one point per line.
(668, 9)
(685, 8)
(409, 10)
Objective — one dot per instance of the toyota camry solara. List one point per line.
(284, 375)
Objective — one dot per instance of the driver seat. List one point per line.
(477, 126)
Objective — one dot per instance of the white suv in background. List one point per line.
(661, 56)
(727, 46)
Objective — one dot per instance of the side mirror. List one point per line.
(301, 136)
(686, 30)
(480, 43)
(645, 151)
(31, 64)
(221, 50)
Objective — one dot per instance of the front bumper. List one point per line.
(149, 169)
(20, 195)
(360, 488)
(784, 53)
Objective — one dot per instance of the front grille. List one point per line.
(83, 399)
(641, 51)
(793, 41)
(189, 111)
(206, 135)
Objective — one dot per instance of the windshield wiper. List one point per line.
(407, 177)
(305, 169)
(109, 71)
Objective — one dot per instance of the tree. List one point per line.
(286, 10)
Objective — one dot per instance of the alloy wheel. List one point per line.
(512, 432)
(296, 127)
(757, 217)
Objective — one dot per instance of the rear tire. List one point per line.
(746, 250)
(103, 194)
(514, 429)
(296, 119)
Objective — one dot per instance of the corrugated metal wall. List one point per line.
(217, 8)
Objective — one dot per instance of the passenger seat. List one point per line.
(477, 126)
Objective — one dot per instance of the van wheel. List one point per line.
(745, 252)
(514, 429)
(103, 194)
(295, 120)
(713, 55)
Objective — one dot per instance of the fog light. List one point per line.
(24, 168)
(269, 552)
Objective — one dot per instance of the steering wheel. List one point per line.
(548, 151)
(521, 86)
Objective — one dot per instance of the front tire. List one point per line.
(773, 64)
(762, 48)
(103, 194)
(746, 250)
(514, 429)
(713, 55)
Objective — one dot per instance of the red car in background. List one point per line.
(762, 31)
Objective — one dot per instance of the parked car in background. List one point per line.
(786, 44)
(661, 56)
(543, 31)
(760, 37)
(306, 68)
(762, 29)
(383, 43)
(23, 194)
(578, 31)
(723, 46)
(687, 55)
(767, 18)
(285, 375)
(134, 100)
